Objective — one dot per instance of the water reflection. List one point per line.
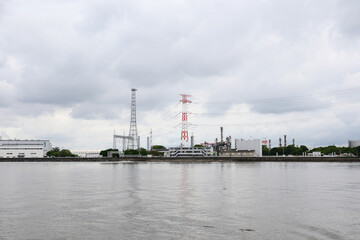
(184, 191)
(179, 201)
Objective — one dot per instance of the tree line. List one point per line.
(155, 151)
(56, 152)
(299, 151)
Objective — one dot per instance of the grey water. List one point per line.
(252, 200)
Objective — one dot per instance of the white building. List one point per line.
(354, 143)
(236, 153)
(87, 153)
(315, 154)
(249, 145)
(189, 152)
(24, 148)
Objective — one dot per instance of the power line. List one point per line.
(161, 121)
(166, 124)
(271, 122)
(283, 108)
(286, 98)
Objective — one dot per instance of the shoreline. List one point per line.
(188, 159)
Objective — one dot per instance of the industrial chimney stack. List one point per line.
(222, 134)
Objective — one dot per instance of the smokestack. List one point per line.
(114, 140)
(148, 143)
(150, 139)
(294, 142)
(222, 136)
(269, 143)
(284, 140)
(192, 140)
(280, 142)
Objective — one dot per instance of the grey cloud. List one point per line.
(335, 136)
(64, 86)
(14, 110)
(154, 46)
(348, 17)
(290, 105)
(97, 110)
(4, 135)
(295, 19)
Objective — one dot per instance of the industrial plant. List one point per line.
(222, 148)
(219, 148)
(125, 144)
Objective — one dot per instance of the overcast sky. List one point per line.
(260, 69)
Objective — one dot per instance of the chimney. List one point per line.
(222, 136)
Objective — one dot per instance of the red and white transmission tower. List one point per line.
(184, 117)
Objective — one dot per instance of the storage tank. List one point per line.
(354, 143)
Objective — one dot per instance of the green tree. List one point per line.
(155, 153)
(334, 149)
(265, 150)
(292, 150)
(143, 152)
(131, 152)
(158, 148)
(198, 146)
(276, 151)
(357, 151)
(56, 152)
(304, 148)
(104, 153)
(327, 150)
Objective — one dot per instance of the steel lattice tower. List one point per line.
(133, 142)
(184, 117)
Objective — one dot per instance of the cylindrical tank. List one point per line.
(354, 143)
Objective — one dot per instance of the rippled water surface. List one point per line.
(259, 200)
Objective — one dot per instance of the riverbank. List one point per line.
(188, 159)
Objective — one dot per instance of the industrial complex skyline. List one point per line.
(259, 69)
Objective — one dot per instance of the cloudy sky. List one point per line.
(260, 69)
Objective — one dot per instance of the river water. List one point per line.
(252, 200)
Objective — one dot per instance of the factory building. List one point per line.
(354, 143)
(24, 148)
(189, 152)
(249, 145)
(234, 153)
(87, 153)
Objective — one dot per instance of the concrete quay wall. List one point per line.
(189, 159)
